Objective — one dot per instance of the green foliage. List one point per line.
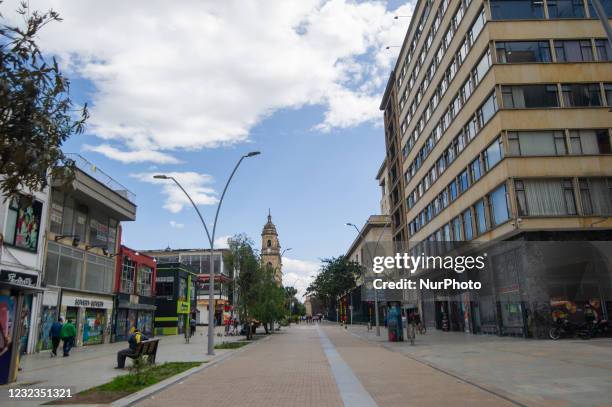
(259, 297)
(138, 370)
(36, 114)
(336, 276)
(154, 374)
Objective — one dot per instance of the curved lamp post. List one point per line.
(211, 240)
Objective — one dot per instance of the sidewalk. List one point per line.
(90, 366)
(533, 372)
(289, 369)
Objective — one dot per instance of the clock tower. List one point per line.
(270, 249)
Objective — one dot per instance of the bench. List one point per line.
(146, 348)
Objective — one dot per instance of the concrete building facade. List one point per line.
(498, 128)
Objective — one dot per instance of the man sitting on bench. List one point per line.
(135, 338)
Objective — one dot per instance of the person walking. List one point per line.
(55, 335)
(68, 333)
(135, 338)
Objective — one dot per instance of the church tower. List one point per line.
(270, 249)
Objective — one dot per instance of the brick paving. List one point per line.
(289, 369)
(394, 380)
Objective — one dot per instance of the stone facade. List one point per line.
(270, 249)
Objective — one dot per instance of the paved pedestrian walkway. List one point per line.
(90, 366)
(530, 372)
(289, 369)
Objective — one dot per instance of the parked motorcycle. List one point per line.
(565, 328)
(599, 328)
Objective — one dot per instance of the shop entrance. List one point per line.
(93, 327)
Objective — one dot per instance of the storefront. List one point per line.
(91, 314)
(135, 294)
(175, 298)
(17, 292)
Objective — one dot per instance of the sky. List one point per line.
(186, 88)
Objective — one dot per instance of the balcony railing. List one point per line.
(96, 173)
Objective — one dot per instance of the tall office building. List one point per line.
(498, 128)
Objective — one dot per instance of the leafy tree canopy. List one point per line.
(36, 113)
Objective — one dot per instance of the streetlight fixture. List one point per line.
(211, 240)
(372, 261)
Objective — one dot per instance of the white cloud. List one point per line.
(190, 75)
(196, 184)
(221, 242)
(299, 274)
(176, 225)
(135, 156)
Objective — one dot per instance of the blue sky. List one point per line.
(188, 89)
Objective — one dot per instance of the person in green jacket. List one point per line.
(68, 333)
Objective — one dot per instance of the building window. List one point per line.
(608, 92)
(604, 52)
(581, 95)
(464, 181)
(63, 266)
(596, 196)
(535, 143)
(23, 223)
(481, 217)
(498, 201)
(487, 110)
(145, 280)
(529, 96)
(476, 169)
(128, 274)
(56, 212)
(545, 197)
(516, 9)
(493, 154)
(565, 9)
(573, 50)
(607, 5)
(467, 224)
(590, 142)
(523, 51)
(456, 225)
(452, 188)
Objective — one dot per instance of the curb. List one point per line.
(156, 388)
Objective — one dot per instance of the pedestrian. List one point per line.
(192, 326)
(55, 335)
(135, 338)
(68, 333)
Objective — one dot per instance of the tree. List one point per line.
(36, 113)
(336, 276)
(269, 306)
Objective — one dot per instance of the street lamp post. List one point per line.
(211, 240)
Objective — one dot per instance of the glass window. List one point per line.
(456, 228)
(604, 52)
(516, 9)
(529, 96)
(488, 109)
(607, 5)
(534, 143)
(523, 51)
(467, 224)
(565, 9)
(493, 154)
(98, 230)
(463, 181)
(476, 169)
(545, 197)
(481, 218)
(573, 50)
(498, 201)
(452, 188)
(581, 95)
(596, 196)
(608, 93)
(587, 141)
(145, 278)
(482, 67)
(56, 212)
(128, 274)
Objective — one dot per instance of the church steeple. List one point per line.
(270, 248)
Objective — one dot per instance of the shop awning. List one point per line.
(141, 307)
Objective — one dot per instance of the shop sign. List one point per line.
(86, 302)
(15, 278)
(182, 307)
